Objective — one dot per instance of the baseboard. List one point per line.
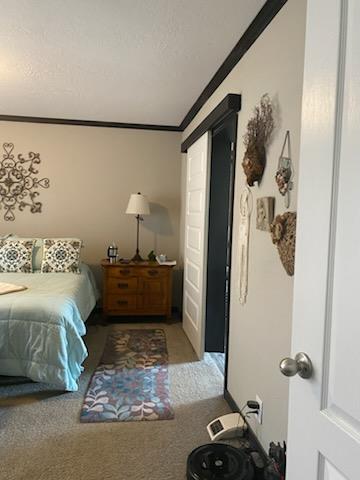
(252, 436)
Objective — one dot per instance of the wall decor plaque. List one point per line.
(265, 207)
(19, 183)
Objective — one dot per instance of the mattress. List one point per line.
(41, 328)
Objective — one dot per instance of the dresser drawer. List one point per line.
(119, 285)
(121, 272)
(121, 302)
(153, 272)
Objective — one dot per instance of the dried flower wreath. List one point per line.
(256, 139)
(283, 235)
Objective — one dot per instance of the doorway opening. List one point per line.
(221, 194)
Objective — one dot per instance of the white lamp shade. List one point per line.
(138, 205)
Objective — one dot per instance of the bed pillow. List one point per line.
(37, 252)
(16, 256)
(61, 255)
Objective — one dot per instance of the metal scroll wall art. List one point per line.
(285, 171)
(18, 182)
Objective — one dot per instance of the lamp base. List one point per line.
(137, 258)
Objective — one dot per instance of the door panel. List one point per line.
(331, 473)
(326, 306)
(192, 274)
(197, 179)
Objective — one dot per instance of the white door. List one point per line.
(324, 411)
(196, 232)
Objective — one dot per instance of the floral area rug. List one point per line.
(131, 382)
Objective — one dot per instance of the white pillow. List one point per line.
(37, 250)
(61, 255)
(16, 255)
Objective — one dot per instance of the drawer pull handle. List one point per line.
(125, 271)
(153, 273)
(122, 302)
(123, 285)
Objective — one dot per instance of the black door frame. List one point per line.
(230, 104)
(228, 107)
(219, 241)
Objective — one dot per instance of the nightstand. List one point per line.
(141, 288)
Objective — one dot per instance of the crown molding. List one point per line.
(255, 29)
(88, 123)
(252, 33)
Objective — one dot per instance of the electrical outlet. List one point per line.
(259, 414)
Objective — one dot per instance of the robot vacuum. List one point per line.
(218, 461)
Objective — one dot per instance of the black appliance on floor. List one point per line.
(218, 461)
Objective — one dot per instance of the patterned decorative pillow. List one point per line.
(37, 251)
(61, 255)
(16, 256)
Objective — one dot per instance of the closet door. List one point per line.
(196, 232)
(324, 410)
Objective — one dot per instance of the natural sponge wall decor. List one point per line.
(19, 183)
(256, 139)
(283, 234)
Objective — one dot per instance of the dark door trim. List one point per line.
(229, 251)
(219, 233)
(230, 104)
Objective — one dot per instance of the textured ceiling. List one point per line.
(133, 61)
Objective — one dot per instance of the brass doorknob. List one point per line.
(301, 365)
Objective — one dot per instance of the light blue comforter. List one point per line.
(41, 327)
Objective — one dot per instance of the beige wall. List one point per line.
(92, 172)
(260, 331)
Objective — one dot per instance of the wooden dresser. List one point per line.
(142, 288)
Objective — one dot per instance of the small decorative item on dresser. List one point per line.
(152, 256)
(163, 260)
(112, 252)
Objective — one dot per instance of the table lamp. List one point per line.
(138, 205)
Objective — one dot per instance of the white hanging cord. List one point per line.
(246, 205)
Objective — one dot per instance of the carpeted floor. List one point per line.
(41, 436)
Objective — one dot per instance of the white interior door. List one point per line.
(324, 418)
(196, 232)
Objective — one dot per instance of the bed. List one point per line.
(41, 328)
